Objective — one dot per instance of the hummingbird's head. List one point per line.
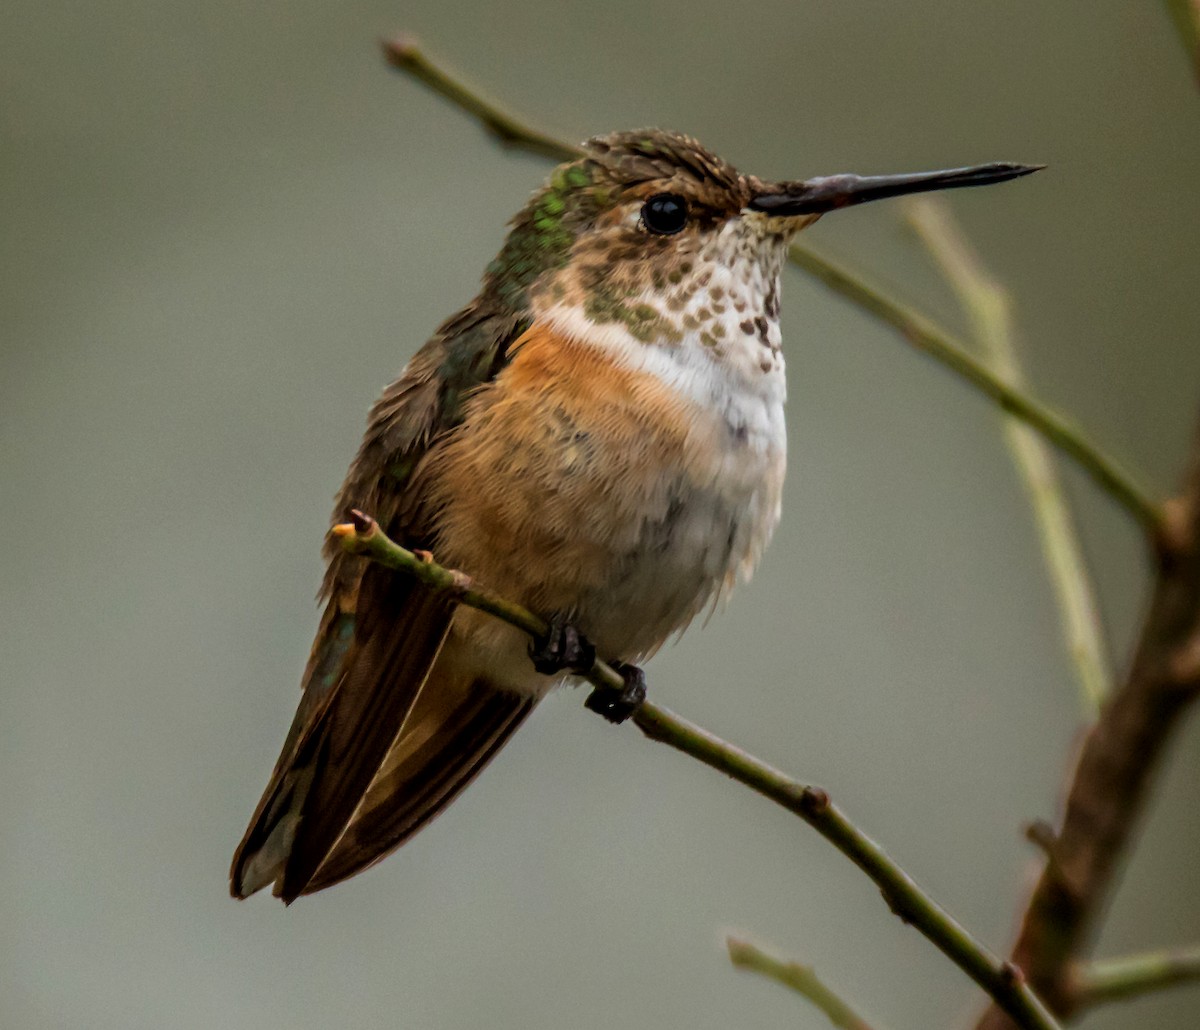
(651, 232)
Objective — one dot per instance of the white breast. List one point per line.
(730, 506)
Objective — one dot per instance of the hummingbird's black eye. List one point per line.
(664, 213)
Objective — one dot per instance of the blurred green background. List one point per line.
(225, 226)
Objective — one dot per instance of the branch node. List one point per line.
(1011, 973)
(1184, 666)
(400, 50)
(899, 908)
(1041, 834)
(1173, 542)
(814, 800)
(460, 582)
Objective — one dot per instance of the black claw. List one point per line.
(618, 705)
(562, 649)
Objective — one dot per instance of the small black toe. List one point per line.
(562, 649)
(618, 705)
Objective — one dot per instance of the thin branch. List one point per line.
(403, 54)
(364, 537)
(1119, 979)
(989, 309)
(931, 339)
(1121, 755)
(1002, 981)
(1186, 16)
(802, 979)
(920, 331)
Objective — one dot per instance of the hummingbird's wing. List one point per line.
(381, 631)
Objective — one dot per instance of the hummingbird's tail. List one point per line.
(386, 736)
(366, 670)
(456, 727)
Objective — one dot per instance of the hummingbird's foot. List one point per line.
(618, 705)
(562, 649)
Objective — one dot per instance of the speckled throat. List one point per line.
(715, 291)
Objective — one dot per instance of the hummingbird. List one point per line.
(599, 436)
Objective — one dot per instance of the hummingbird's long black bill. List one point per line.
(829, 192)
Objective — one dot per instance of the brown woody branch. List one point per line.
(1120, 757)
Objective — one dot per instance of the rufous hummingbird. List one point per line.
(599, 436)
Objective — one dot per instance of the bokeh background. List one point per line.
(225, 226)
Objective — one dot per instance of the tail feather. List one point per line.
(452, 733)
(263, 851)
(364, 677)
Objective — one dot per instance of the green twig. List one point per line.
(802, 979)
(1001, 980)
(988, 306)
(1186, 16)
(931, 339)
(924, 334)
(403, 54)
(1123, 978)
(363, 536)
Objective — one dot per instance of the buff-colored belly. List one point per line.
(598, 494)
